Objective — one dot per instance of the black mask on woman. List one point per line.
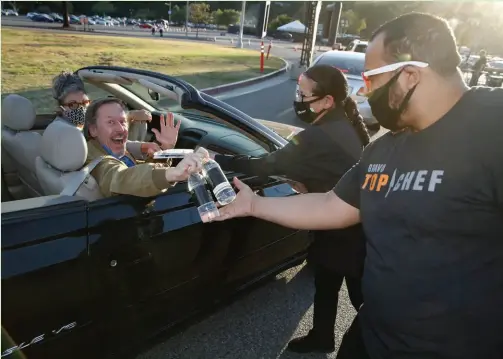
(379, 105)
(303, 110)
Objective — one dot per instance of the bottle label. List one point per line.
(221, 187)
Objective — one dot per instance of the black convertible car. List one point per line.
(91, 277)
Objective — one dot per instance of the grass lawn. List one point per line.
(31, 58)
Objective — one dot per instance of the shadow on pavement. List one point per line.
(258, 325)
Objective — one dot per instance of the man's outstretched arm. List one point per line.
(307, 211)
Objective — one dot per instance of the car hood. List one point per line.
(285, 131)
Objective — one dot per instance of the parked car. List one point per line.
(357, 46)
(90, 277)
(494, 73)
(145, 26)
(56, 17)
(41, 18)
(352, 65)
(282, 35)
(10, 12)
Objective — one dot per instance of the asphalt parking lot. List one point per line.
(257, 326)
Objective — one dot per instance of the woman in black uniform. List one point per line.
(318, 157)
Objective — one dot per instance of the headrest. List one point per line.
(18, 113)
(63, 146)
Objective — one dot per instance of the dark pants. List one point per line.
(475, 78)
(352, 346)
(327, 284)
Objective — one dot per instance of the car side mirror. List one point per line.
(154, 95)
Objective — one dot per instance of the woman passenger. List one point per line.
(69, 91)
(318, 157)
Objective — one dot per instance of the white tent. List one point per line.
(294, 26)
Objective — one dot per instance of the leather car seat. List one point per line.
(63, 152)
(21, 145)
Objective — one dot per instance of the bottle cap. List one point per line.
(208, 212)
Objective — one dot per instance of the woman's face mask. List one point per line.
(74, 108)
(304, 111)
(76, 116)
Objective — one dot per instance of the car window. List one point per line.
(142, 92)
(348, 65)
(361, 48)
(496, 65)
(96, 93)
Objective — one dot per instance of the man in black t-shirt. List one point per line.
(429, 194)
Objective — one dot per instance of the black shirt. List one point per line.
(480, 64)
(317, 157)
(431, 205)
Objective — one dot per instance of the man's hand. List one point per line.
(203, 153)
(139, 116)
(211, 154)
(168, 135)
(242, 206)
(149, 148)
(191, 163)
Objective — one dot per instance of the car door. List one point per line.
(259, 247)
(45, 279)
(156, 261)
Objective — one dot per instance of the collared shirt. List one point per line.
(127, 161)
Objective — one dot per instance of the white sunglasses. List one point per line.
(393, 67)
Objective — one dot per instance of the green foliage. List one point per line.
(199, 13)
(178, 14)
(356, 24)
(280, 20)
(226, 17)
(103, 7)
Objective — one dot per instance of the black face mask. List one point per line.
(303, 110)
(379, 105)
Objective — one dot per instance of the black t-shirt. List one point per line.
(431, 205)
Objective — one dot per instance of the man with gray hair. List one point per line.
(69, 91)
(119, 172)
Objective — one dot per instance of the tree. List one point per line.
(356, 24)
(216, 16)
(226, 17)
(103, 8)
(13, 6)
(66, 15)
(279, 21)
(178, 14)
(199, 14)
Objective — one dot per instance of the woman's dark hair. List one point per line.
(331, 81)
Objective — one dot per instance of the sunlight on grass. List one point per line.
(30, 59)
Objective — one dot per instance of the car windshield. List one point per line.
(496, 64)
(348, 65)
(163, 103)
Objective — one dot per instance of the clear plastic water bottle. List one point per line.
(222, 189)
(206, 207)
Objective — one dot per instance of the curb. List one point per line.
(254, 80)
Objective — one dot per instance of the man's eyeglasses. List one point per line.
(388, 68)
(75, 105)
